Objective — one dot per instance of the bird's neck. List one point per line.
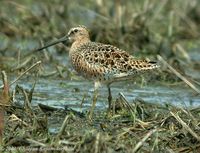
(79, 42)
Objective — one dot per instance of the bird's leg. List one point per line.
(95, 95)
(109, 98)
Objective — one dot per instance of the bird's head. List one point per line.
(78, 33)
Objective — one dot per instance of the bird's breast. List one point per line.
(85, 69)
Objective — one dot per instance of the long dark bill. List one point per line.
(63, 39)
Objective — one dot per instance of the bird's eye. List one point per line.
(75, 30)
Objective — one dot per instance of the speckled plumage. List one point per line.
(102, 62)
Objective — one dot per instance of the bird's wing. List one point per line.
(113, 62)
(108, 56)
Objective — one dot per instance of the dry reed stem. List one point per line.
(14, 118)
(23, 64)
(64, 124)
(126, 103)
(1, 125)
(4, 97)
(178, 74)
(185, 126)
(97, 143)
(19, 77)
(140, 143)
(4, 101)
(36, 142)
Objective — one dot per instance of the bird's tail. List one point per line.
(144, 65)
(136, 67)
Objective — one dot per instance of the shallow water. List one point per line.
(70, 93)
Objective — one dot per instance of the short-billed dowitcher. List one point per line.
(101, 63)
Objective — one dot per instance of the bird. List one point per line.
(101, 63)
